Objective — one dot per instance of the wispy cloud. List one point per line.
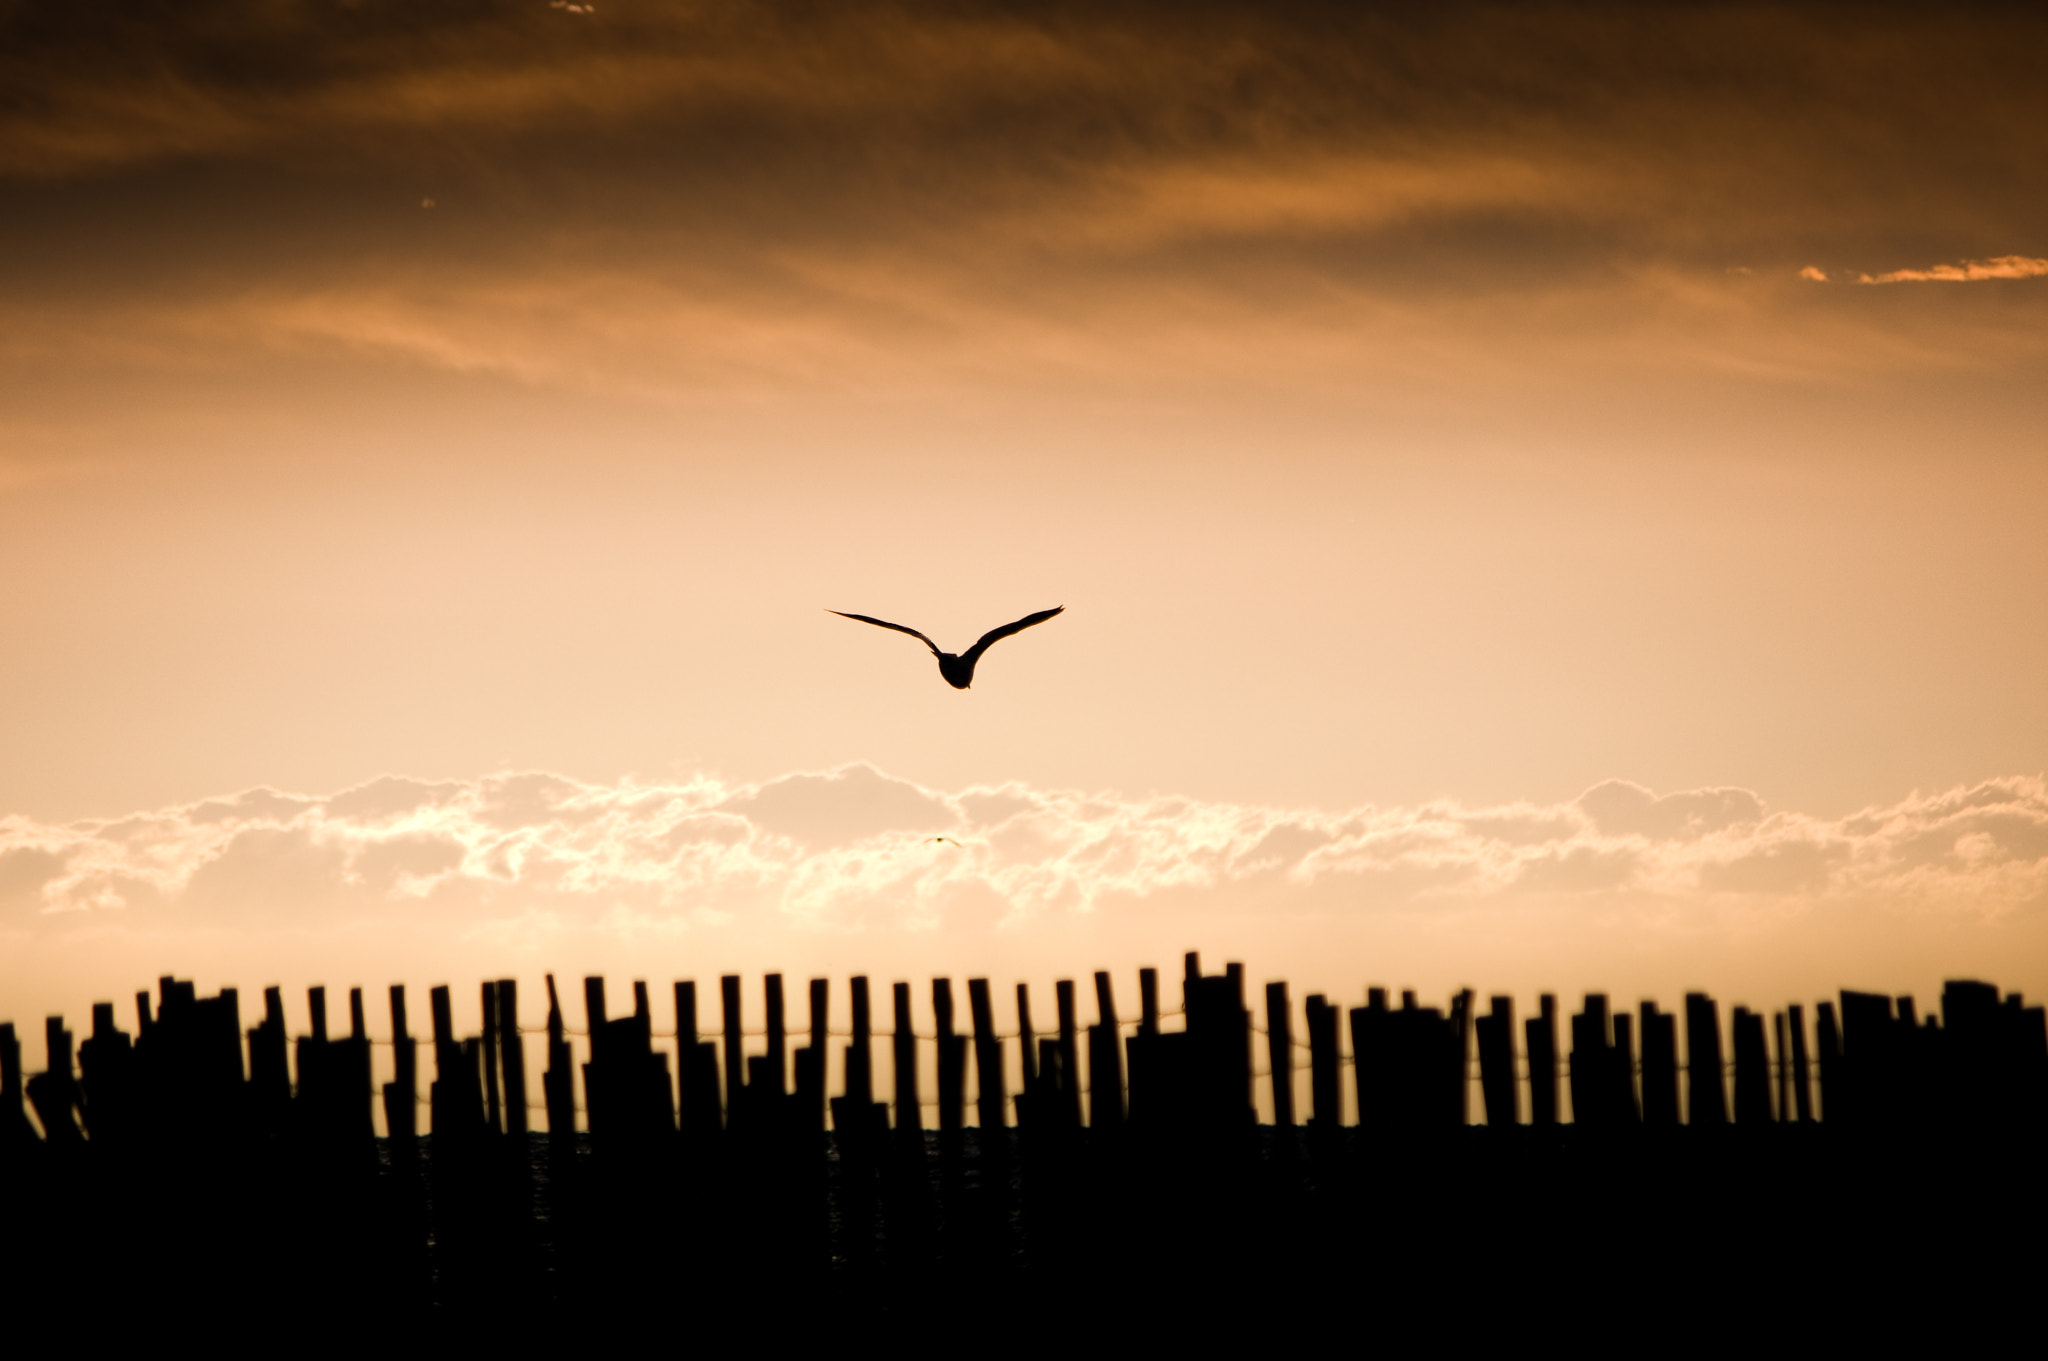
(858, 850)
(1969, 271)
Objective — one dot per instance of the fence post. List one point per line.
(1105, 1060)
(1706, 1092)
(512, 1054)
(1497, 1087)
(778, 1037)
(1539, 1041)
(1325, 1112)
(909, 1109)
(490, 1015)
(1070, 1054)
(735, 1046)
(988, 1063)
(1752, 1068)
(952, 1060)
(1623, 1075)
(1802, 1078)
(401, 1094)
(1280, 1053)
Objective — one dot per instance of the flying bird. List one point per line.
(959, 670)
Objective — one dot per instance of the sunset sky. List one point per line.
(1544, 496)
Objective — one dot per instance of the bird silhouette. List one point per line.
(959, 670)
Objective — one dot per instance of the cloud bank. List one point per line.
(857, 851)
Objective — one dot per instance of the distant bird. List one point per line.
(948, 840)
(959, 671)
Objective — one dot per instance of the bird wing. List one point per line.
(885, 624)
(997, 635)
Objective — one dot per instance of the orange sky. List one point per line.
(1437, 427)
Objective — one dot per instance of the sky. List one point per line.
(1545, 496)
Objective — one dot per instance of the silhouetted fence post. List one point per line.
(1458, 1068)
(1325, 1110)
(1802, 1078)
(1752, 1068)
(1589, 1064)
(16, 1133)
(735, 1050)
(558, 1082)
(54, 1091)
(1660, 1067)
(1280, 1054)
(952, 1067)
(1623, 1071)
(1069, 1096)
(1539, 1042)
(488, 1007)
(512, 1048)
(1027, 1044)
(1497, 1087)
(270, 1075)
(903, 1041)
(778, 1037)
(401, 1094)
(1105, 1060)
(1368, 1061)
(1828, 1037)
(1706, 1092)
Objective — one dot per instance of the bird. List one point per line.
(959, 670)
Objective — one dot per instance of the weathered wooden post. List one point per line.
(903, 1041)
(1105, 1060)
(859, 1082)
(512, 1051)
(988, 1063)
(778, 1037)
(1369, 1060)
(1802, 1078)
(1782, 1046)
(1539, 1041)
(489, 1008)
(1497, 1088)
(402, 1093)
(1027, 1040)
(1752, 1068)
(952, 1060)
(698, 1110)
(16, 1133)
(597, 1093)
(1280, 1054)
(1706, 1092)
(1325, 1108)
(270, 1070)
(1458, 1070)
(558, 1083)
(1834, 1097)
(735, 1051)
(809, 1076)
(1660, 1067)
(1588, 1064)
(1627, 1111)
(54, 1091)
(1070, 1055)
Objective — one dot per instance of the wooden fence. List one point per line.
(1131, 1159)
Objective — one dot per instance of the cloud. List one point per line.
(687, 196)
(1969, 271)
(852, 850)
